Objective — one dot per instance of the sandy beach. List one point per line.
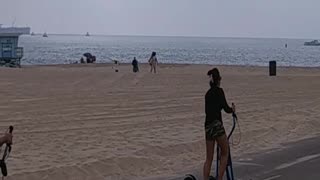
(83, 122)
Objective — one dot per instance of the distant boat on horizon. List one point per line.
(312, 43)
(45, 35)
(87, 34)
(32, 34)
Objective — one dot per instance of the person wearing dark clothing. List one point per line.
(135, 65)
(215, 101)
(82, 60)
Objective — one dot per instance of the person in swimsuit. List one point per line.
(215, 101)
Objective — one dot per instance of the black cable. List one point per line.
(238, 124)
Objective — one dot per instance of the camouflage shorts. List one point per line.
(214, 130)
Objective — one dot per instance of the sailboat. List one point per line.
(87, 34)
(45, 35)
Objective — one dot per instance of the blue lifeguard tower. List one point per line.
(10, 53)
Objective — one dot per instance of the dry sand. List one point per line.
(86, 122)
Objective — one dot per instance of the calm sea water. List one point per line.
(63, 49)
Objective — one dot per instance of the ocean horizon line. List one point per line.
(175, 36)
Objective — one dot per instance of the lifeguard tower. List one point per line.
(10, 53)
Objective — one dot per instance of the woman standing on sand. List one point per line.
(153, 61)
(215, 101)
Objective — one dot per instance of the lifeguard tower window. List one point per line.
(7, 50)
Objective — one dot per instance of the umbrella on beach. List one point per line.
(87, 55)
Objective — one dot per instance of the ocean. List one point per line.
(65, 49)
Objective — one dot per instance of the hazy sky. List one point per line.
(231, 18)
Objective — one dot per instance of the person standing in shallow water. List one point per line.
(135, 65)
(215, 101)
(153, 61)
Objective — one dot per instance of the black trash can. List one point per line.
(272, 68)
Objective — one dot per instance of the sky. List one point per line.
(214, 18)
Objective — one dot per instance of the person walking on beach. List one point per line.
(135, 65)
(153, 61)
(215, 101)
